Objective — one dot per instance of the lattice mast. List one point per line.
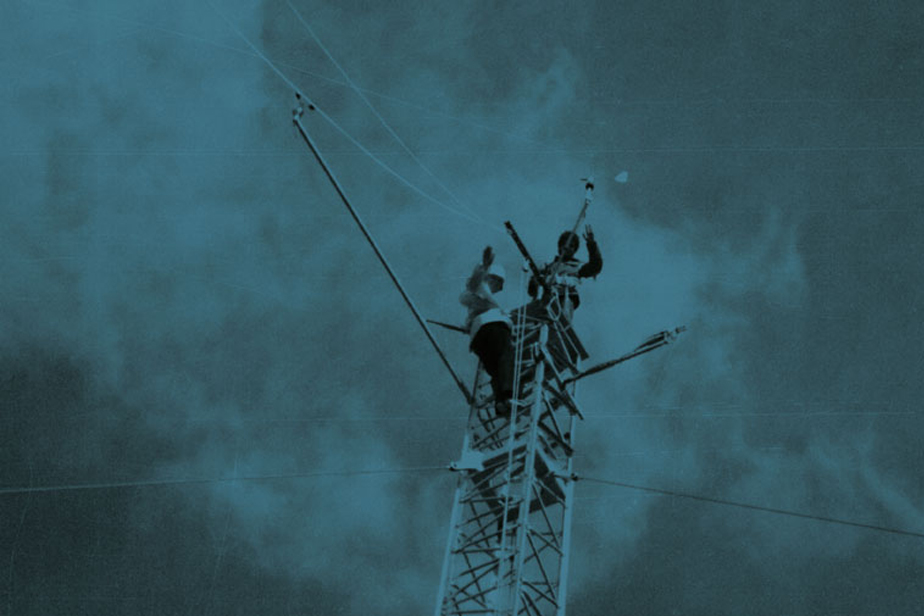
(510, 530)
(509, 537)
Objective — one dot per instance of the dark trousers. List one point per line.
(492, 346)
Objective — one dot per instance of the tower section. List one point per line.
(509, 535)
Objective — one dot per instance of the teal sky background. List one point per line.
(185, 298)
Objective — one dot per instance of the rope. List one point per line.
(253, 47)
(549, 149)
(375, 112)
(795, 514)
(397, 175)
(193, 481)
(660, 412)
(774, 415)
(333, 123)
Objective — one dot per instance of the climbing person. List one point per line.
(564, 273)
(490, 328)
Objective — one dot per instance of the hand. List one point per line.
(487, 257)
(588, 234)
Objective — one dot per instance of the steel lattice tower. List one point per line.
(509, 535)
(510, 529)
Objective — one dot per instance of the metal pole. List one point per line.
(529, 260)
(588, 197)
(447, 556)
(566, 526)
(296, 118)
(655, 342)
(529, 476)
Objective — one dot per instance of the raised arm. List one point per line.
(595, 264)
(477, 278)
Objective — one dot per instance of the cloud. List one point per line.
(186, 297)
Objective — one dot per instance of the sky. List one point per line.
(214, 401)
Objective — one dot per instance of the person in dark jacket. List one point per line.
(563, 275)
